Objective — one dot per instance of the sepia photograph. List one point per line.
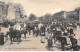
(39, 25)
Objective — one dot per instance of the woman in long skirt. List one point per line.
(50, 42)
(42, 37)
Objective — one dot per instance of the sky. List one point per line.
(41, 7)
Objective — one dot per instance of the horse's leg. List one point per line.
(6, 37)
(26, 31)
(29, 32)
(25, 35)
(11, 40)
(20, 38)
(36, 34)
(54, 39)
(33, 33)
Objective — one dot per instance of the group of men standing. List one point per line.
(55, 34)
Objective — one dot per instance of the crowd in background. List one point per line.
(54, 32)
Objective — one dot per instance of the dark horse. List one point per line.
(29, 27)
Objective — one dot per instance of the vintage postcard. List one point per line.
(39, 25)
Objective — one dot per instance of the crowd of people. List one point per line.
(54, 32)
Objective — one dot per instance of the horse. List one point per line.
(29, 27)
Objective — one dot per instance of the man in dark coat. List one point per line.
(50, 43)
(57, 36)
(37, 32)
(65, 34)
(11, 34)
(28, 28)
(1, 39)
(71, 31)
(34, 31)
(63, 42)
(74, 43)
(76, 48)
(43, 28)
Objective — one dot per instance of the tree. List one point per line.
(73, 16)
(41, 18)
(48, 18)
(19, 10)
(77, 9)
(32, 17)
(58, 16)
